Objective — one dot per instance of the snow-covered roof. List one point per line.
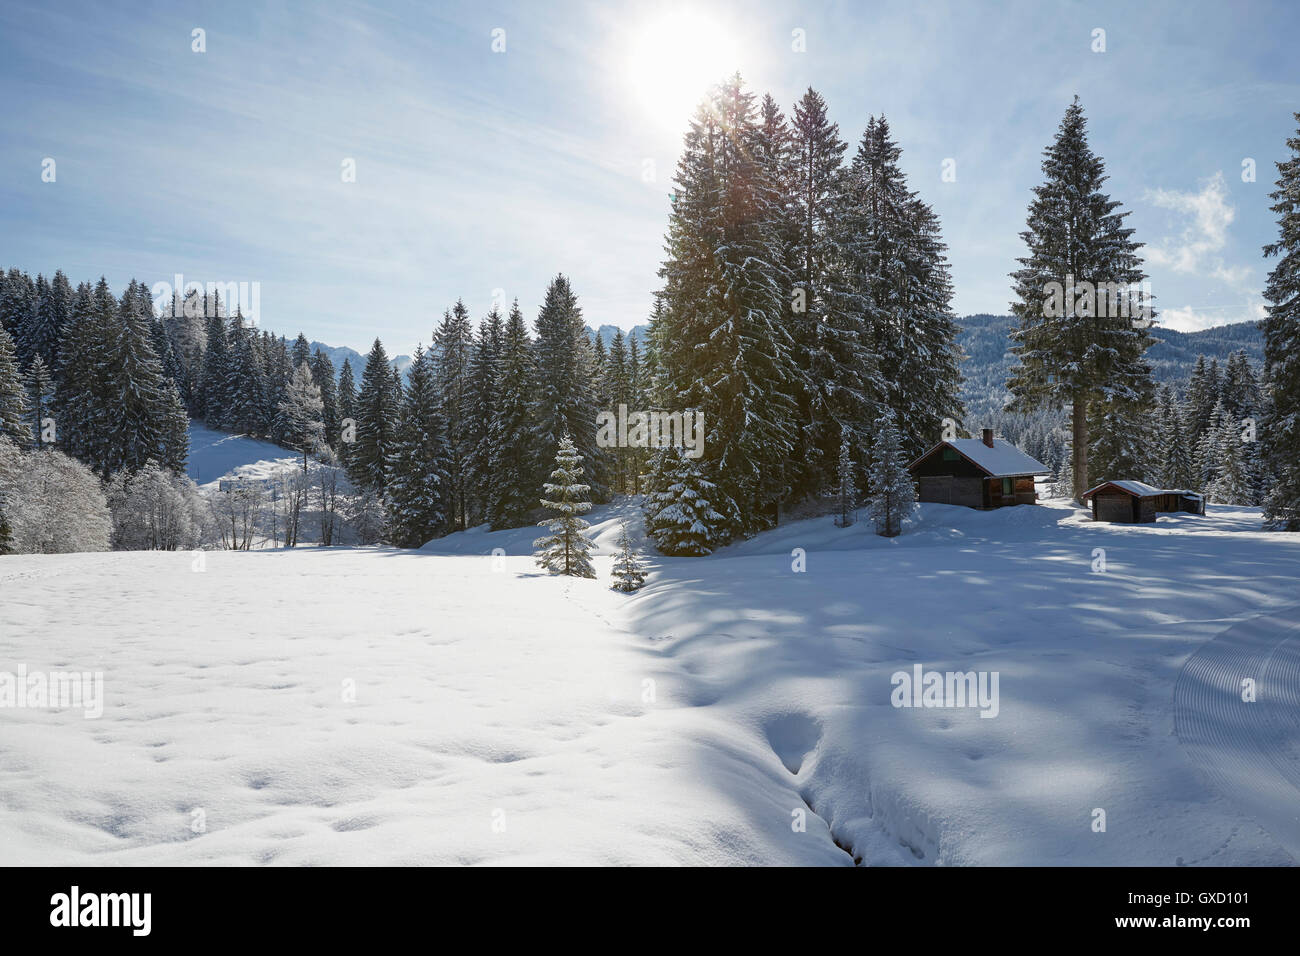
(1003, 460)
(1139, 488)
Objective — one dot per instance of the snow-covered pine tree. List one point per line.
(565, 398)
(898, 288)
(14, 409)
(513, 461)
(892, 495)
(720, 336)
(618, 391)
(681, 509)
(566, 549)
(629, 570)
(1280, 429)
(79, 397)
(847, 491)
(210, 401)
(246, 390)
(1231, 485)
(417, 466)
(1209, 453)
(322, 373)
(301, 352)
(40, 391)
(347, 408)
(1092, 350)
(376, 418)
(453, 344)
(484, 372)
(1175, 456)
(299, 422)
(1120, 430)
(133, 420)
(18, 312)
(45, 331)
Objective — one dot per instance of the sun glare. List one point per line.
(674, 60)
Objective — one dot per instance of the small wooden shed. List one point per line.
(983, 472)
(1136, 502)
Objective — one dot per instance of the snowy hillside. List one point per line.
(446, 705)
(216, 454)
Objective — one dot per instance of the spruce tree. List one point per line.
(1231, 485)
(684, 511)
(565, 399)
(40, 391)
(1092, 350)
(513, 459)
(618, 391)
(301, 353)
(629, 570)
(892, 497)
(720, 336)
(847, 491)
(453, 343)
(79, 397)
(210, 403)
(299, 420)
(376, 423)
(245, 390)
(417, 466)
(134, 417)
(322, 373)
(566, 550)
(1280, 429)
(484, 373)
(14, 410)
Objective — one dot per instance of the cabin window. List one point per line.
(1006, 487)
(950, 454)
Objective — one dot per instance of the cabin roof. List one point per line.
(1003, 460)
(1139, 489)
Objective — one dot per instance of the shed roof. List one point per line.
(1003, 460)
(1139, 489)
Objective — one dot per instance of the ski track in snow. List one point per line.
(1250, 751)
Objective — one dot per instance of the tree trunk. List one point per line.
(1079, 430)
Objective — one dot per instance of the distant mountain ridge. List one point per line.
(986, 341)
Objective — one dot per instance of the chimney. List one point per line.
(987, 436)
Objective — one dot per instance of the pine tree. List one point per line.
(1120, 432)
(513, 459)
(720, 336)
(14, 410)
(299, 417)
(453, 343)
(848, 492)
(1175, 458)
(1231, 485)
(322, 373)
(1280, 428)
(40, 390)
(301, 354)
(210, 403)
(417, 467)
(376, 423)
(892, 497)
(43, 334)
(618, 391)
(245, 391)
(1075, 349)
(566, 549)
(484, 373)
(565, 399)
(682, 516)
(79, 397)
(18, 313)
(629, 570)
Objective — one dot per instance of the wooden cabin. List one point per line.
(983, 472)
(1136, 502)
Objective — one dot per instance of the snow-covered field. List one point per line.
(215, 455)
(360, 705)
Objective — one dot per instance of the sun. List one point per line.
(674, 59)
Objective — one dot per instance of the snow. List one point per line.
(503, 716)
(215, 455)
(1003, 460)
(1139, 488)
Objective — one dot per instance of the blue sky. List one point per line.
(482, 173)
